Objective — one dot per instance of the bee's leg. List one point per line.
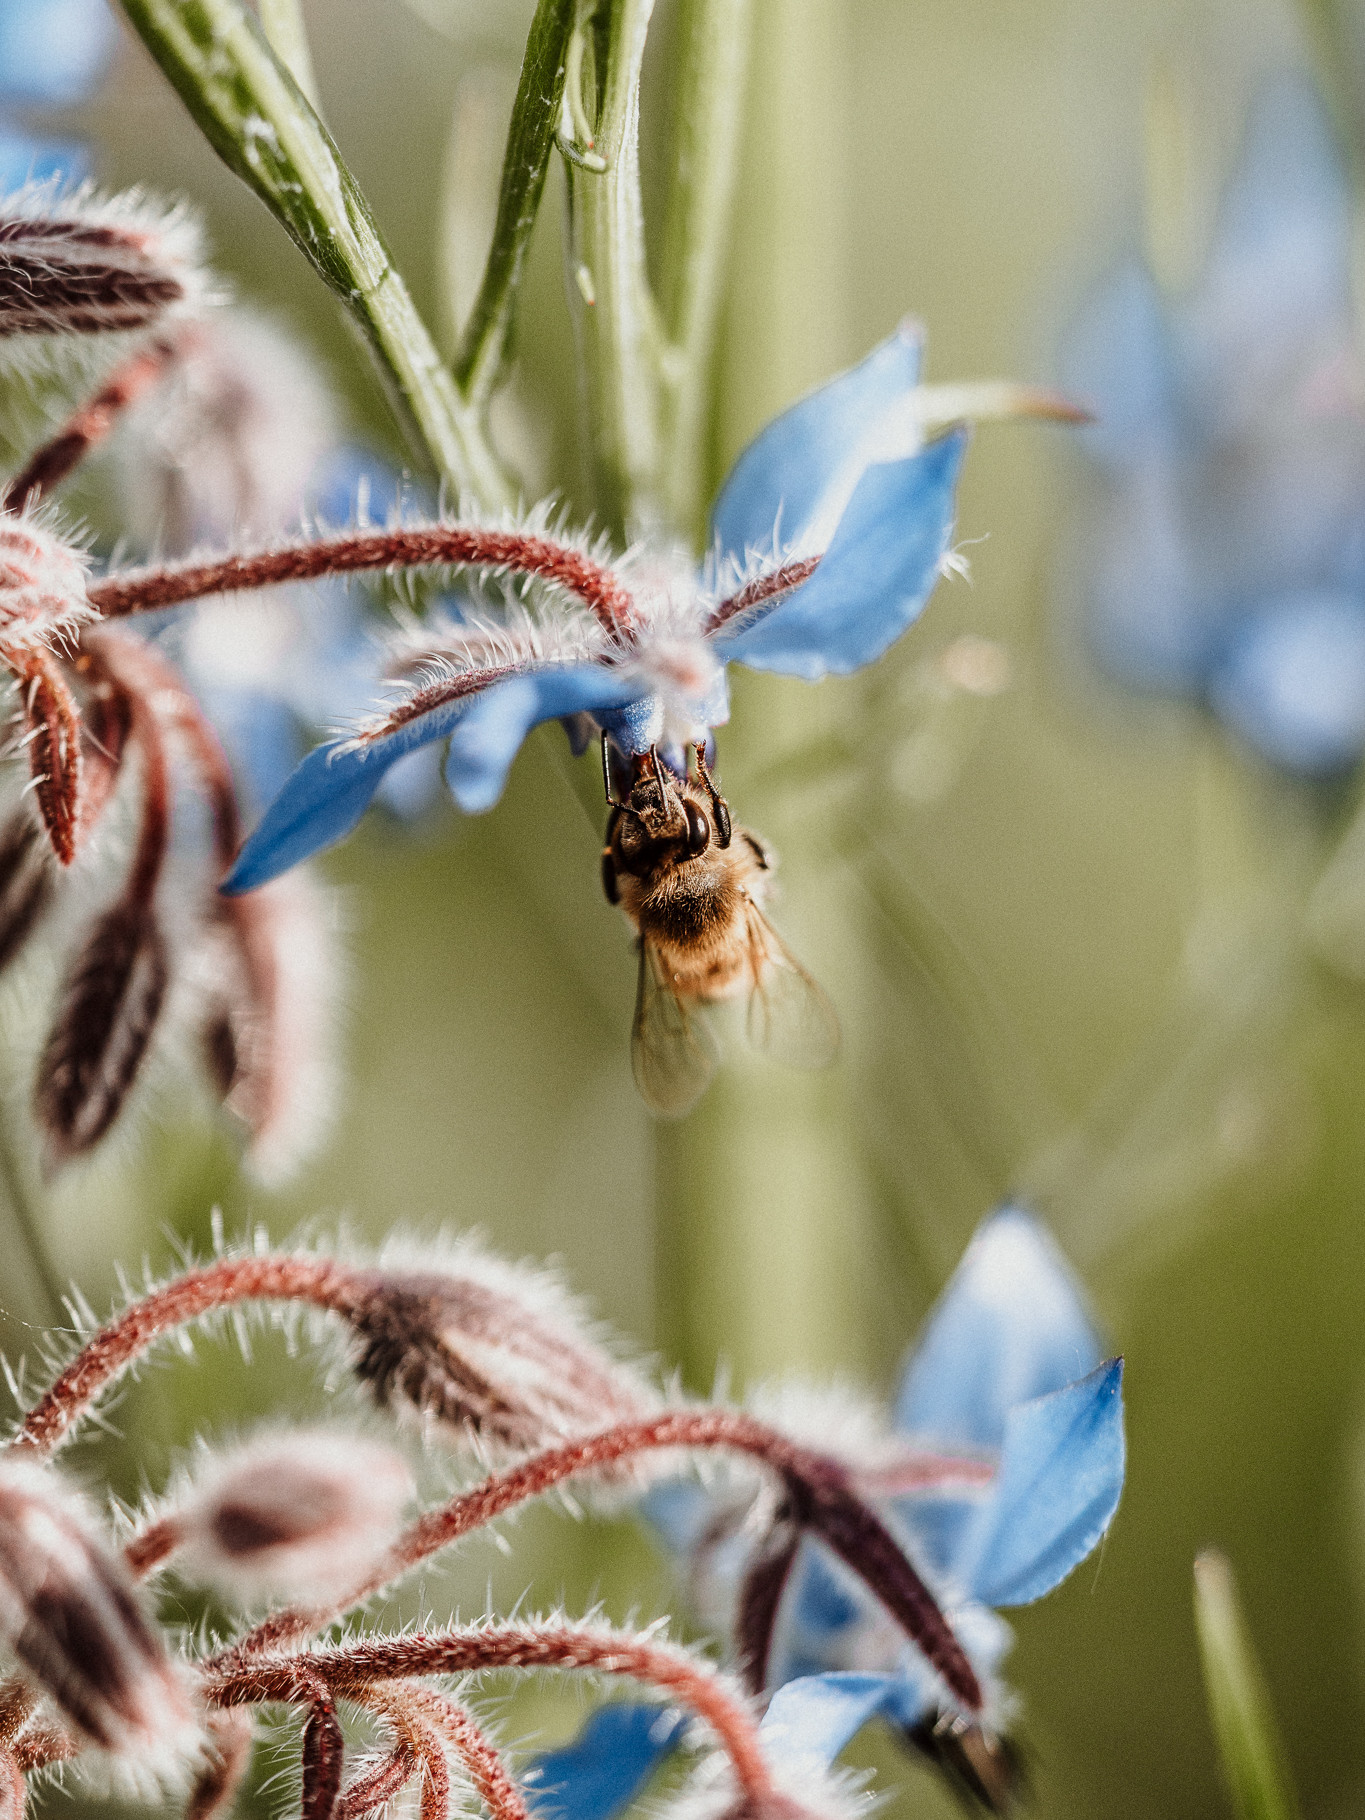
(612, 801)
(720, 808)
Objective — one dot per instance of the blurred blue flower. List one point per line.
(826, 541)
(1008, 1369)
(1226, 560)
(271, 679)
(52, 54)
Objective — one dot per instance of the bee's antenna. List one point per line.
(720, 808)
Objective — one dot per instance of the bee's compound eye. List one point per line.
(698, 829)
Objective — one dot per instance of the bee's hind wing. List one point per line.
(790, 1017)
(672, 1051)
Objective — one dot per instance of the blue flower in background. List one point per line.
(1226, 562)
(52, 54)
(1008, 1370)
(827, 539)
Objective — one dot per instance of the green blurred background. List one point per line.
(1063, 931)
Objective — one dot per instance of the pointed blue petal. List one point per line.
(488, 736)
(872, 581)
(331, 790)
(786, 468)
(1061, 1473)
(811, 1720)
(1011, 1325)
(606, 1766)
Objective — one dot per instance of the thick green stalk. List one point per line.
(615, 312)
(487, 342)
(282, 22)
(708, 129)
(258, 121)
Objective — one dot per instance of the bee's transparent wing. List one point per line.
(790, 1018)
(672, 1050)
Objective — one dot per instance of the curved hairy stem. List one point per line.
(148, 590)
(819, 1493)
(256, 117)
(351, 1672)
(319, 1281)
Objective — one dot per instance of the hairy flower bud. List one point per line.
(75, 265)
(42, 585)
(489, 1350)
(303, 1515)
(69, 1611)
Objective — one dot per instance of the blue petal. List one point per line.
(1293, 683)
(786, 468)
(1011, 1325)
(331, 790)
(606, 1766)
(1278, 277)
(811, 1720)
(53, 52)
(1119, 361)
(872, 581)
(1061, 1473)
(489, 735)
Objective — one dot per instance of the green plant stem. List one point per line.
(708, 129)
(1248, 1746)
(253, 113)
(282, 23)
(619, 338)
(487, 342)
(28, 1226)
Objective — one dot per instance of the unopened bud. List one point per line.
(42, 585)
(69, 1611)
(301, 1515)
(490, 1351)
(74, 265)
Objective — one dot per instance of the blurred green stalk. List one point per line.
(762, 1214)
(1244, 1726)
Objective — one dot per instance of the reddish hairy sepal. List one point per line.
(762, 590)
(473, 1348)
(61, 454)
(75, 266)
(52, 733)
(414, 546)
(42, 585)
(25, 882)
(69, 1613)
(109, 1009)
(760, 1595)
(230, 1736)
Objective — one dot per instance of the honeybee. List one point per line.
(693, 885)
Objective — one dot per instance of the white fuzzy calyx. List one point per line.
(42, 585)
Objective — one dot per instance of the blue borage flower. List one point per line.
(52, 53)
(1008, 1370)
(826, 541)
(1226, 560)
